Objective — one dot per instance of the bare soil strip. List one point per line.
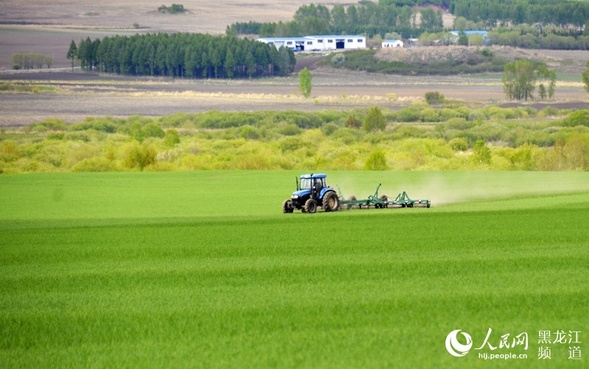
(90, 94)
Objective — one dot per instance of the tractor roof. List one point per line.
(318, 175)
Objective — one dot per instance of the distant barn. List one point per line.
(317, 43)
(392, 43)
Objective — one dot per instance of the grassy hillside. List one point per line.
(202, 270)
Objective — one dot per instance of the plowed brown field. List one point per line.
(48, 27)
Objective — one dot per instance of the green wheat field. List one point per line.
(202, 270)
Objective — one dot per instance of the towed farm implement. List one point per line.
(313, 192)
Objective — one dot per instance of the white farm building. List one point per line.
(392, 43)
(317, 43)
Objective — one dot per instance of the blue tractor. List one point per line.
(312, 192)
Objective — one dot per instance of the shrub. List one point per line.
(578, 118)
(106, 125)
(77, 136)
(171, 138)
(410, 114)
(140, 156)
(94, 165)
(153, 130)
(458, 123)
(304, 120)
(458, 144)
(249, 133)
(549, 112)
(406, 131)
(481, 153)
(347, 135)
(338, 59)
(329, 129)
(429, 115)
(376, 161)
(290, 129)
(290, 144)
(434, 97)
(51, 124)
(374, 121)
(56, 136)
(177, 120)
(135, 130)
(487, 53)
(352, 122)
(9, 151)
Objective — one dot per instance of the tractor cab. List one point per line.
(312, 183)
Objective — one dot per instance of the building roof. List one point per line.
(303, 38)
(282, 38)
(335, 36)
(473, 32)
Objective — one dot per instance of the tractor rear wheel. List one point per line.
(330, 201)
(287, 207)
(310, 206)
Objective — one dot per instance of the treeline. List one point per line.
(541, 37)
(184, 55)
(494, 12)
(420, 137)
(423, 61)
(174, 9)
(30, 61)
(365, 18)
(541, 23)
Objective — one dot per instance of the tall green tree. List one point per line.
(519, 80)
(229, 64)
(305, 82)
(72, 53)
(431, 20)
(374, 120)
(585, 77)
(545, 77)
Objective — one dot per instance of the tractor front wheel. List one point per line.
(287, 207)
(310, 206)
(330, 201)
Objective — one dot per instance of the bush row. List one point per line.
(485, 138)
(365, 60)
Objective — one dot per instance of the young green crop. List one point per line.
(203, 270)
